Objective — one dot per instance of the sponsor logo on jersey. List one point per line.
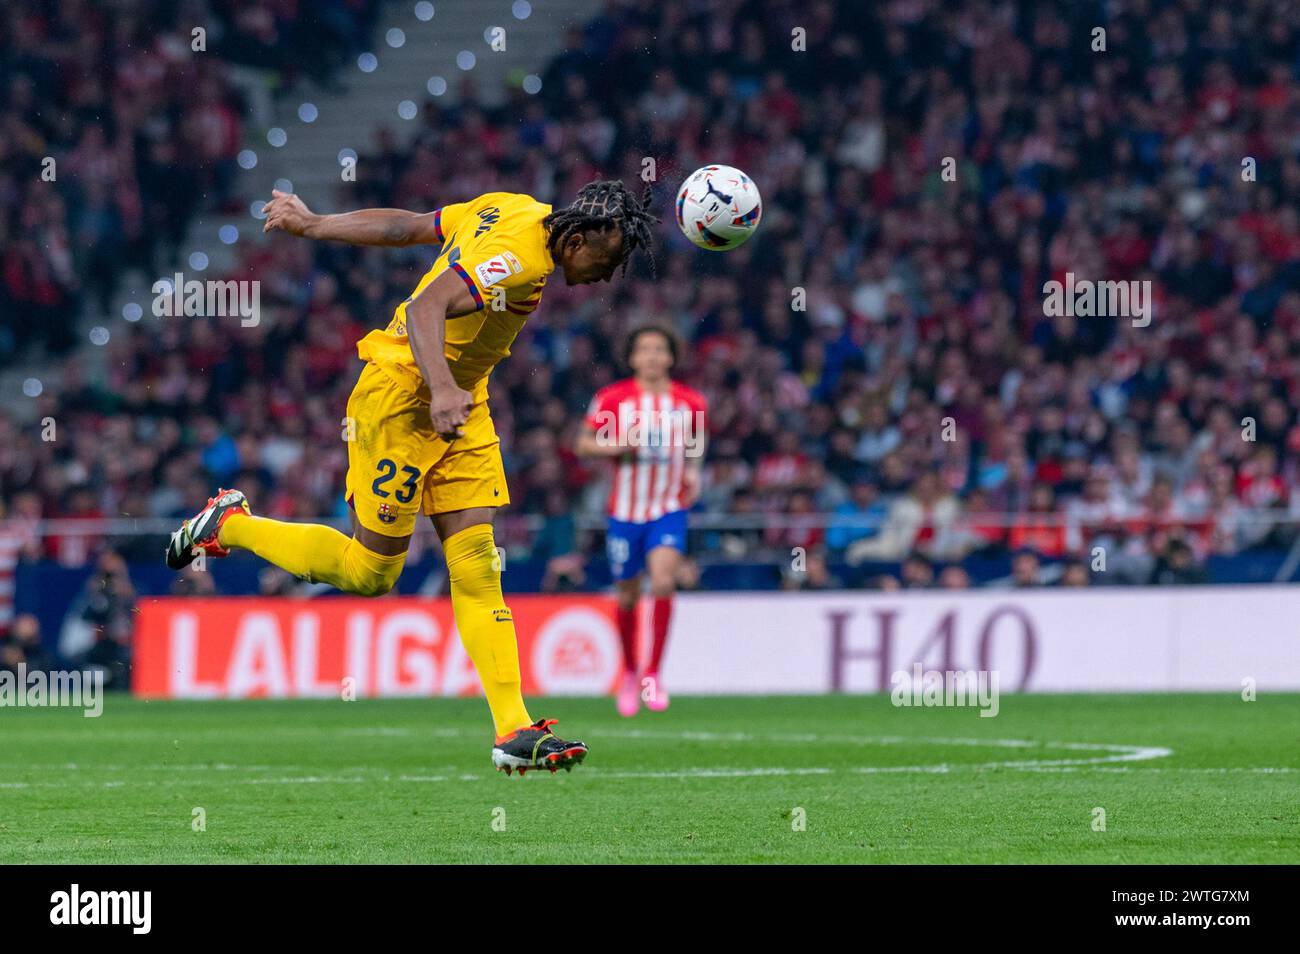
(497, 268)
(502, 615)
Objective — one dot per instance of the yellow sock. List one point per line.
(486, 627)
(314, 552)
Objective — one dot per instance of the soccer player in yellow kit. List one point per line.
(423, 438)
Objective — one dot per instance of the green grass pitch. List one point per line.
(1181, 778)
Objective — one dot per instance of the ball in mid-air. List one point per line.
(718, 207)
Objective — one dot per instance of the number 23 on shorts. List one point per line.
(405, 491)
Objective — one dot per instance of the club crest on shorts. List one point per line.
(387, 514)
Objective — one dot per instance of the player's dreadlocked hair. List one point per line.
(598, 207)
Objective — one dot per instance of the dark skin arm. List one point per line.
(426, 328)
(394, 228)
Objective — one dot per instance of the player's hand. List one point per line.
(449, 410)
(287, 212)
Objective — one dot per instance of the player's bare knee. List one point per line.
(663, 580)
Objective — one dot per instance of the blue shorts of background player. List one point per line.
(627, 543)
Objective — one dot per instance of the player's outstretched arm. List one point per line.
(390, 227)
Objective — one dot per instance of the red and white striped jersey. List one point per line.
(660, 431)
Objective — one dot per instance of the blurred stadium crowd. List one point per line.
(922, 299)
(143, 131)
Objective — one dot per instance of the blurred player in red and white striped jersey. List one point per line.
(654, 429)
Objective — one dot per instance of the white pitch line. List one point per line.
(1115, 753)
(712, 773)
(680, 774)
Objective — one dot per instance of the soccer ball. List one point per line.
(718, 208)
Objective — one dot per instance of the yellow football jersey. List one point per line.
(497, 245)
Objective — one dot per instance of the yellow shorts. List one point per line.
(398, 468)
